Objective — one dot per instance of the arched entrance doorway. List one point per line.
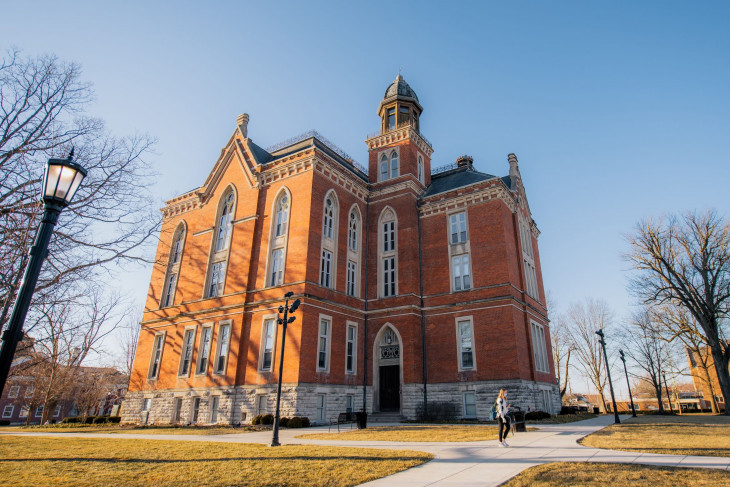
(388, 369)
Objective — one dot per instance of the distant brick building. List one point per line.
(416, 284)
(705, 379)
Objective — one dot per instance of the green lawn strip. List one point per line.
(616, 475)
(704, 436)
(39, 461)
(420, 433)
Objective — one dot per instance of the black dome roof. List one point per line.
(399, 87)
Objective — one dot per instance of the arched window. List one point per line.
(328, 262)
(420, 168)
(278, 239)
(394, 164)
(173, 266)
(388, 253)
(353, 230)
(384, 168)
(222, 236)
(223, 229)
(329, 216)
(282, 215)
(352, 286)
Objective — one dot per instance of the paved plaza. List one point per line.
(465, 464)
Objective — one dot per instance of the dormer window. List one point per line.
(391, 118)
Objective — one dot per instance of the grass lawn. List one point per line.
(616, 475)
(677, 435)
(426, 433)
(48, 461)
(563, 418)
(119, 429)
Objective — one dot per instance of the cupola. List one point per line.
(399, 107)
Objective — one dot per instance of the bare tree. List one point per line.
(685, 261)
(110, 221)
(128, 338)
(563, 345)
(585, 319)
(92, 386)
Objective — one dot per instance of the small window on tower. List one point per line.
(403, 116)
(391, 118)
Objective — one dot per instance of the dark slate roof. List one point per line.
(400, 87)
(507, 181)
(455, 178)
(262, 157)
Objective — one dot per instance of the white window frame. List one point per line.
(188, 347)
(262, 342)
(204, 349)
(277, 267)
(351, 325)
(173, 265)
(458, 278)
(394, 164)
(278, 239)
(328, 217)
(224, 222)
(473, 395)
(325, 273)
(6, 413)
(214, 408)
(321, 407)
(353, 231)
(389, 277)
(281, 216)
(217, 279)
(421, 175)
(327, 343)
(528, 259)
(459, 350)
(351, 288)
(262, 404)
(158, 345)
(384, 168)
(195, 410)
(330, 234)
(24, 411)
(29, 391)
(177, 409)
(169, 297)
(14, 391)
(227, 325)
(39, 411)
(539, 347)
(221, 244)
(458, 228)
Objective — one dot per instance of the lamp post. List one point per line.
(623, 359)
(286, 309)
(666, 388)
(602, 341)
(60, 182)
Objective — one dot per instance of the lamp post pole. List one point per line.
(602, 341)
(60, 183)
(623, 359)
(286, 309)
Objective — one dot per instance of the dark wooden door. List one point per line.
(390, 388)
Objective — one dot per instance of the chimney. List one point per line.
(514, 171)
(242, 122)
(462, 161)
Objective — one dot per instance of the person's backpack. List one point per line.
(493, 411)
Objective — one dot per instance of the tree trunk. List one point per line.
(658, 389)
(713, 403)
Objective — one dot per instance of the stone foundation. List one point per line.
(239, 405)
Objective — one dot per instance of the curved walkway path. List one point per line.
(466, 464)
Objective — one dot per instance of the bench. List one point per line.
(343, 418)
(517, 420)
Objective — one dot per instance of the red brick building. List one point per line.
(416, 284)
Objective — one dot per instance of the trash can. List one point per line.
(362, 419)
(596, 411)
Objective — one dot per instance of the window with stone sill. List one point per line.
(8, 411)
(186, 355)
(470, 404)
(204, 350)
(325, 326)
(268, 339)
(221, 356)
(156, 359)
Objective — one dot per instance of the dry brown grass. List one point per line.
(676, 435)
(60, 462)
(126, 429)
(616, 475)
(424, 433)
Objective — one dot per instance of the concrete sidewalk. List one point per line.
(466, 464)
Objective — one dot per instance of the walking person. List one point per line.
(502, 418)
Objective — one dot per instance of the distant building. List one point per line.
(417, 284)
(705, 383)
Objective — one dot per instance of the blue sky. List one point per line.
(616, 110)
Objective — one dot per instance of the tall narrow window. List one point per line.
(8, 411)
(420, 169)
(186, 355)
(458, 227)
(321, 408)
(221, 357)
(156, 359)
(352, 232)
(388, 236)
(403, 116)
(528, 260)
(389, 276)
(351, 277)
(325, 278)
(384, 168)
(350, 349)
(470, 404)
(462, 274)
(538, 348)
(466, 344)
(222, 236)
(223, 228)
(217, 274)
(394, 165)
(204, 349)
(173, 266)
(214, 403)
(329, 217)
(349, 403)
(391, 118)
(277, 267)
(261, 405)
(279, 233)
(267, 344)
(282, 215)
(388, 261)
(323, 345)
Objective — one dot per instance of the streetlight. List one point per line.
(60, 182)
(666, 388)
(623, 359)
(286, 309)
(608, 371)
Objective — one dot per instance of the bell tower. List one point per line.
(399, 152)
